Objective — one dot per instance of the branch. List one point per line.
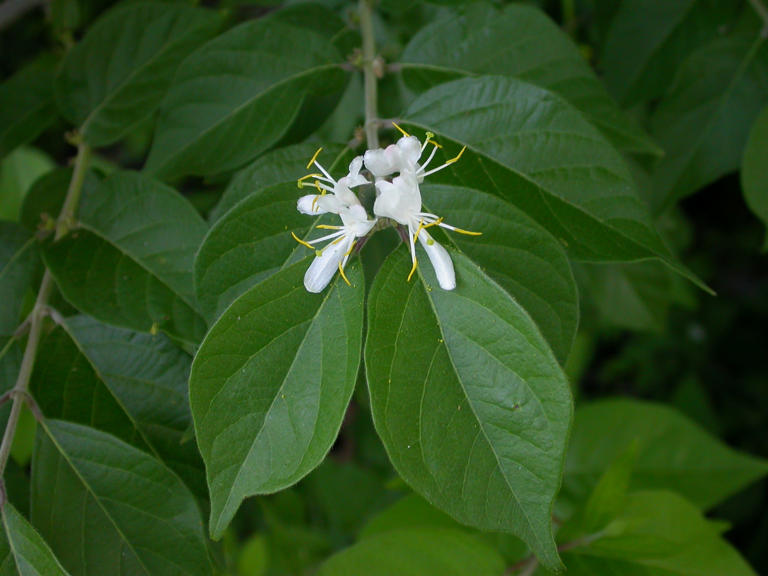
(12, 10)
(369, 74)
(21, 389)
(762, 11)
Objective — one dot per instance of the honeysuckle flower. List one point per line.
(334, 255)
(400, 200)
(404, 156)
(340, 190)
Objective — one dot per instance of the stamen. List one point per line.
(416, 236)
(432, 155)
(341, 273)
(460, 230)
(456, 159)
(314, 157)
(403, 132)
(302, 242)
(435, 143)
(415, 265)
(329, 227)
(300, 181)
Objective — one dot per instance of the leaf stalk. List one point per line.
(369, 74)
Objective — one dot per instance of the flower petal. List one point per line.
(309, 205)
(441, 261)
(323, 267)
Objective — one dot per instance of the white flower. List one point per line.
(404, 156)
(336, 253)
(341, 194)
(400, 200)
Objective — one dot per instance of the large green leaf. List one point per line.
(22, 551)
(632, 295)
(416, 552)
(754, 180)
(657, 534)
(106, 507)
(648, 39)
(673, 453)
(276, 167)
(42, 203)
(129, 262)
(470, 402)
(253, 239)
(238, 95)
(534, 150)
(270, 385)
(19, 264)
(26, 104)
(131, 385)
(117, 76)
(704, 122)
(518, 41)
(517, 253)
(18, 171)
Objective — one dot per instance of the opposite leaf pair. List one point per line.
(398, 199)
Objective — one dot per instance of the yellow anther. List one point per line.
(436, 145)
(430, 135)
(456, 159)
(302, 242)
(467, 232)
(341, 272)
(314, 157)
(319, 188)
(329, 227)
(403, 132)
(318, 253)
(415, 265)
(300, 181)
(339, 239)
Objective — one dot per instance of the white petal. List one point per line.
(329, 203)
(410, 151)
(383, 163)
(309, 205)
(441, 261)
(399, 200)
(355, 165)
(323, 267)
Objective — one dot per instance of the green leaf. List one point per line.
(131, 385)
(468, 399)
(106, 507)
(42, 203)
(630, 295)
(519, 41)
(673, 453)
(657, 534)
(18, 171)
(253, 240)
(270, 385)
(411, 511)
(26, 104)
(648, 39)
(117, 76)
(281, 166)
(754, 180)
(130, 260)
(22, 551)
(704, 122)
(416, 552)
(518, 254)
(532, 149)
(19, 265)
(237, 96)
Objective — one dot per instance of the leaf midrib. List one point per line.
(228, 117)
(490, 444)
(93, 495)
(164, 48)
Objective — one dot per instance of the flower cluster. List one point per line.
(397, 174)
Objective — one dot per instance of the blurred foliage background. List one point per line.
(644, 333)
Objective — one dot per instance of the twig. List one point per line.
(762, 11)
(21, 389)
(369, 74)
(12, 10)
